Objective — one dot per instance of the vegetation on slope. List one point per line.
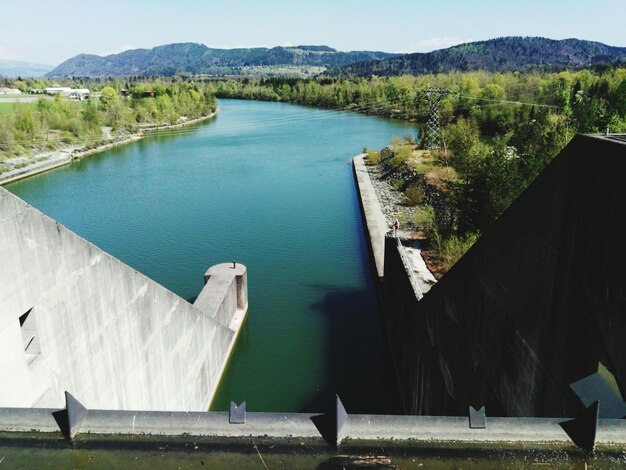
(584, 101)
(50, 123)
(190, 58)
(499, 131)
(496, 55)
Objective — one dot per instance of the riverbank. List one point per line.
(26, 166)
(166, 206)
(380, 206)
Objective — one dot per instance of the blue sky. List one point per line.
(50, 32)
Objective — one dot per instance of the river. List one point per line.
(269, 185)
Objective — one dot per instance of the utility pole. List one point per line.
(434, 96)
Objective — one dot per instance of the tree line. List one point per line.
(589, 99)
(498, 131)
(51, 122)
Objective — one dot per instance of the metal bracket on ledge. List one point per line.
(477, 418)
(237, 413)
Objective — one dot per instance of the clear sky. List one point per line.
(50, 32)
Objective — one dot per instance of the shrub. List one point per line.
(66, 137)
(454, 247)
(372, 157)
(386, 154)
(414, 195)
(401, 156)
(397, 183)
(425, 220)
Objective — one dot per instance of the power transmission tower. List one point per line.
(434, 96)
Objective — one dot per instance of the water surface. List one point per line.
(269, 185)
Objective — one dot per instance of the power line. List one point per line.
(373, 106)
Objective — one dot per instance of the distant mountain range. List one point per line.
(502, 54)
(495, 55)
(15, 69)
(172, 59)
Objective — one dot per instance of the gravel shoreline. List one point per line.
(391, 204)
(24, 166)
(391, 200)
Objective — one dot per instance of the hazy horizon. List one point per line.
(42, 32)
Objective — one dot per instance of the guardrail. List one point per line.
(335, 428)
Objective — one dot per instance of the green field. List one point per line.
(8, 107)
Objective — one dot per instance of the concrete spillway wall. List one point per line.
(535, 305)
(74, 318)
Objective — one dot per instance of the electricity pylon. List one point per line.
(434, 96)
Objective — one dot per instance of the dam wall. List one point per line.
(74, 318)
(538, 303)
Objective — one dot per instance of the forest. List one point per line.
(52, 122)
(498, 131)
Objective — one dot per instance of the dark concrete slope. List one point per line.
(536, 304)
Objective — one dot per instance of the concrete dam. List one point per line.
(523, 332)
(74, 318)
(531, 320)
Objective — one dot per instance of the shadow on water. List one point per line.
(357, 361)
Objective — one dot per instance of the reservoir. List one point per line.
(269, 185)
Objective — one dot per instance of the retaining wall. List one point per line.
(536, 304)
(73, 317)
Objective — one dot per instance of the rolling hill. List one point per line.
(495, 55)
(14, 69)
(192, 58)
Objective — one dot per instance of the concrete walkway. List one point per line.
(377, 227)
(374, 217)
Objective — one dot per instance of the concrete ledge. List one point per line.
(63, 158)
(225, 298)
(507, 433)
(375, 222)
(225, 294)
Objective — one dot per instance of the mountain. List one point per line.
(495, 55)
(14, 69)
(194, 58)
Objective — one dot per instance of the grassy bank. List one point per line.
(25, 166)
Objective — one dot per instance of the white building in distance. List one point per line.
(73, 93)
(10, 91)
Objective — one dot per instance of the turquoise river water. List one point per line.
(269, 185)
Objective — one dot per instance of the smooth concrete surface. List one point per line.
(377, 228)
(417, 265)
(406, 264)
(225, 294)
(393, 430)
(100, 329)
(374, 218)
(538, 303)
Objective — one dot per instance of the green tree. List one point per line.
(25, 122)
(108, 97)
